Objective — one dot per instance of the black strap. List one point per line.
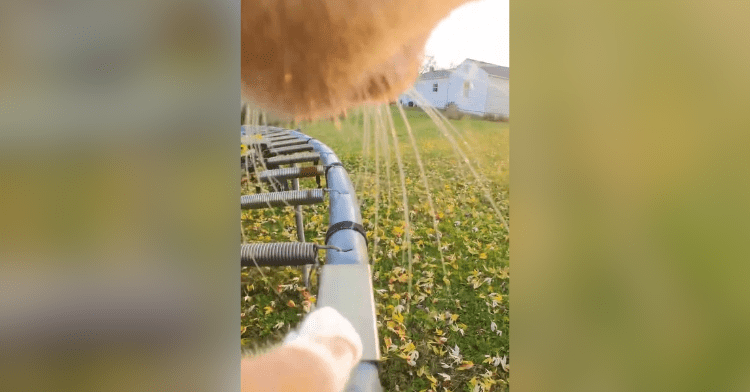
(346, 225)
(332, 165)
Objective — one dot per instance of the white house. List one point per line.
(474, 86)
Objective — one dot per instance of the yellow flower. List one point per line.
(408, 347)
(398, 317)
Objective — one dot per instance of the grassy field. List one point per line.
(454, 336)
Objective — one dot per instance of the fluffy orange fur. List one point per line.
(314, 58)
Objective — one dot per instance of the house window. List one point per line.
(434, 87)
(468, 85)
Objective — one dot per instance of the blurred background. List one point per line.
(630, 240)
(117, 236)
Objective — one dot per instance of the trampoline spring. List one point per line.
(280, 138)
(282, 199)
(290, 149)
(287, 143)
(278, 254)
(290, 172)
(296, 158)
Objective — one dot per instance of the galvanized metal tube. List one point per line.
(346, 275)
(343, 206)
(364, 378)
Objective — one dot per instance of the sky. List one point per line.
(478, 30)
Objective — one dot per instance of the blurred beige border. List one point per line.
(630, 249)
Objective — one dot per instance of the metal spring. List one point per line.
(291, 172)
(296, 158)
(291, 149)
(288, 143)
(279, 132)
(280, 139)
(282, 199)
(278, 254)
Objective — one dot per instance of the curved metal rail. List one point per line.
(346, 279)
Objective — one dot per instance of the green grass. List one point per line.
(455, 303)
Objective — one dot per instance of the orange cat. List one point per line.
(315, 58)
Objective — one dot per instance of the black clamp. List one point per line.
(332, 165)
(346, 225)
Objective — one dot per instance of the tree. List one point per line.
(428, 64)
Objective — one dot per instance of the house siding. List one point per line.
(489, 93)
(498, 94)
(475, 101)
(424, 87)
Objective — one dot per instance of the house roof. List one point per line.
(492, 69)
(503, 72)
(439, 74)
